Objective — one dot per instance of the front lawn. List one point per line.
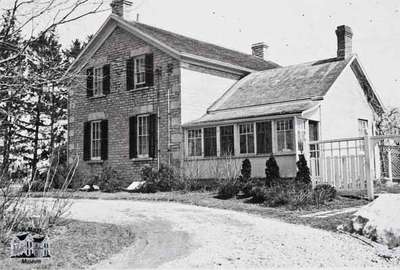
(76, 245)
(208, 199)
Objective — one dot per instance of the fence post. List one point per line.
(390, 172)
(369, 171)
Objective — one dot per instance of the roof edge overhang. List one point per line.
(241, 119)
(113, 21)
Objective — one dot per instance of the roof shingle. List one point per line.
(196, 47)
(283, 84)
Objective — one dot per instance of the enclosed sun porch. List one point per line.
(216, 150)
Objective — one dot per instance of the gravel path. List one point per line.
(172, 235)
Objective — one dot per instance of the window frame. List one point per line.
(98, 81)
(285, 133)
(140, 58)
(256, 132)
(146, 136)
(221, 153)
(363, 129)
(196, 143)
(212, 139)
(246, 135)
(96, 123)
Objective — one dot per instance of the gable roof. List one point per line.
(192, 46)
(312, 79)
(286, 90)
(178, 46)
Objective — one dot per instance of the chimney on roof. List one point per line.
(344, 41)
(117, 7)
(260, 50)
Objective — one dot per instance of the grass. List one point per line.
(76, 245)
(208, 199)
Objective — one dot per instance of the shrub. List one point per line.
(228, 188)
(258, 194)
(300, 199)
(165, 179)
(303, 176)
(276, 196)
(246, 170)
(323, 193)
(271, 171)
(109, 180)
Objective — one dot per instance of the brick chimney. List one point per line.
(117, 7)
(344, 41)
(260, 50)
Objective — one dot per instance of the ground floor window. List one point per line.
(246, 133)
(285, 135)
(95, 140)
(194, 142)
(227, 140)
(362, 127)
(210, 142)
(143, 135)
(264, 137)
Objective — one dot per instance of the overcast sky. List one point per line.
(296, 30)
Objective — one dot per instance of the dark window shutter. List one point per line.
(130, 68)
(89, 82)
(86, 141)
(104, 139)
(132, 137)
(152, 135)
(210, 142)
(149, 69)
(106, 79)
(264, 138)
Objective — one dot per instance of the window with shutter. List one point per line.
(143, 136)
(95, 141)
(227, 140)
(98, 82)
(264, 137)
(210, 142)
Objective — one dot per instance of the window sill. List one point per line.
(96, 97)
(139, 89)
(142, 159)
(94, 161)
(241, 156)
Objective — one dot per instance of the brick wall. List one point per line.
(120, 104)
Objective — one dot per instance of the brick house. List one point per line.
(130, 95)
(143, 95)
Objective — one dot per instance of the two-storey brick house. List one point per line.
(134, 87)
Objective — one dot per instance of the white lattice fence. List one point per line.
(340, 163)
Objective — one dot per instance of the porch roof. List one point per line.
(296, 82)
(286, 108)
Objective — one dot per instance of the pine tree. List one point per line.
(303, 176)
(246, 170)
(271, 171)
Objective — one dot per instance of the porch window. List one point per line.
(246, 133)
(95, 140)
(143, 135)
(264, 137)
(285, 135)
(98, 82)
(140, 71)
(301, 134)
(362, 127)
(194, 142)
(210, 142)
(227, 140)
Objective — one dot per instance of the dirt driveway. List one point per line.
(172, 235)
